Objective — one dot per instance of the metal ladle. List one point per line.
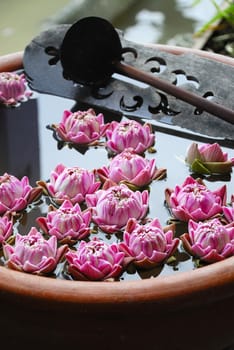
(91, 52)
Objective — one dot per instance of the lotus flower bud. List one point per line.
(229, 213)
(68, 223)
(131, 168)
(129, 134)
(208, 159)
(113, 207)
(70, 184)
(149, 244)
(95, 260)
(34, 254)
(81, 127)
(210, 241)
(193, 200)
(16, 194)
(13, 88)
(6, 229)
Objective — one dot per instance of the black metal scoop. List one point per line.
(121, 96)
(91, 52)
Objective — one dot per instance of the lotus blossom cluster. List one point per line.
(209, 241)
(85, 128)
(70, 183)
(68, 223)
(149, 245)
(112, 207)
(95, 260)
(113, 200)
(13, 88)
(81, 127)
(132, 169)
(16, 194)
(129, 134)
(33, 253)
(193, 200)
(208, 159)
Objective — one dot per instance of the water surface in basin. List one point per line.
(29, 148)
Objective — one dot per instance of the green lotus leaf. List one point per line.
(219, 167)
(198, 167)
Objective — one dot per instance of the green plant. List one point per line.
(224, 12)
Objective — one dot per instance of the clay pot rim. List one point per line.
(185, 287)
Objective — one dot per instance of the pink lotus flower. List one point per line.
(95, 260)
(81, 127)
(70, 183)
(210, 241)
(208, 159)
(149, 244)
(16, 194)
(229, 212)
(129, 134)
(6, 228)
(68, 223)
(193, 200)
(113, 207)
(13, 88)
(132, 169)
(34, 254)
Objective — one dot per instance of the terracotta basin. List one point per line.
(188, 310)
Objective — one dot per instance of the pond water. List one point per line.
(168, 21)
(30, 149)
(145, 21)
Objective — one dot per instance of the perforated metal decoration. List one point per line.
(124, 96)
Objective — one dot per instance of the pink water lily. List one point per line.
(13, 88)
(208, 159)
(113, 207)
(81, 127)
(70, 183)
(95, 260)
(210, 241)
(33, 254)
(68, 223)
(193, 200)
(16, 194)
(129, 134)
(131, 168)
(149, 244)
(6, 228)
